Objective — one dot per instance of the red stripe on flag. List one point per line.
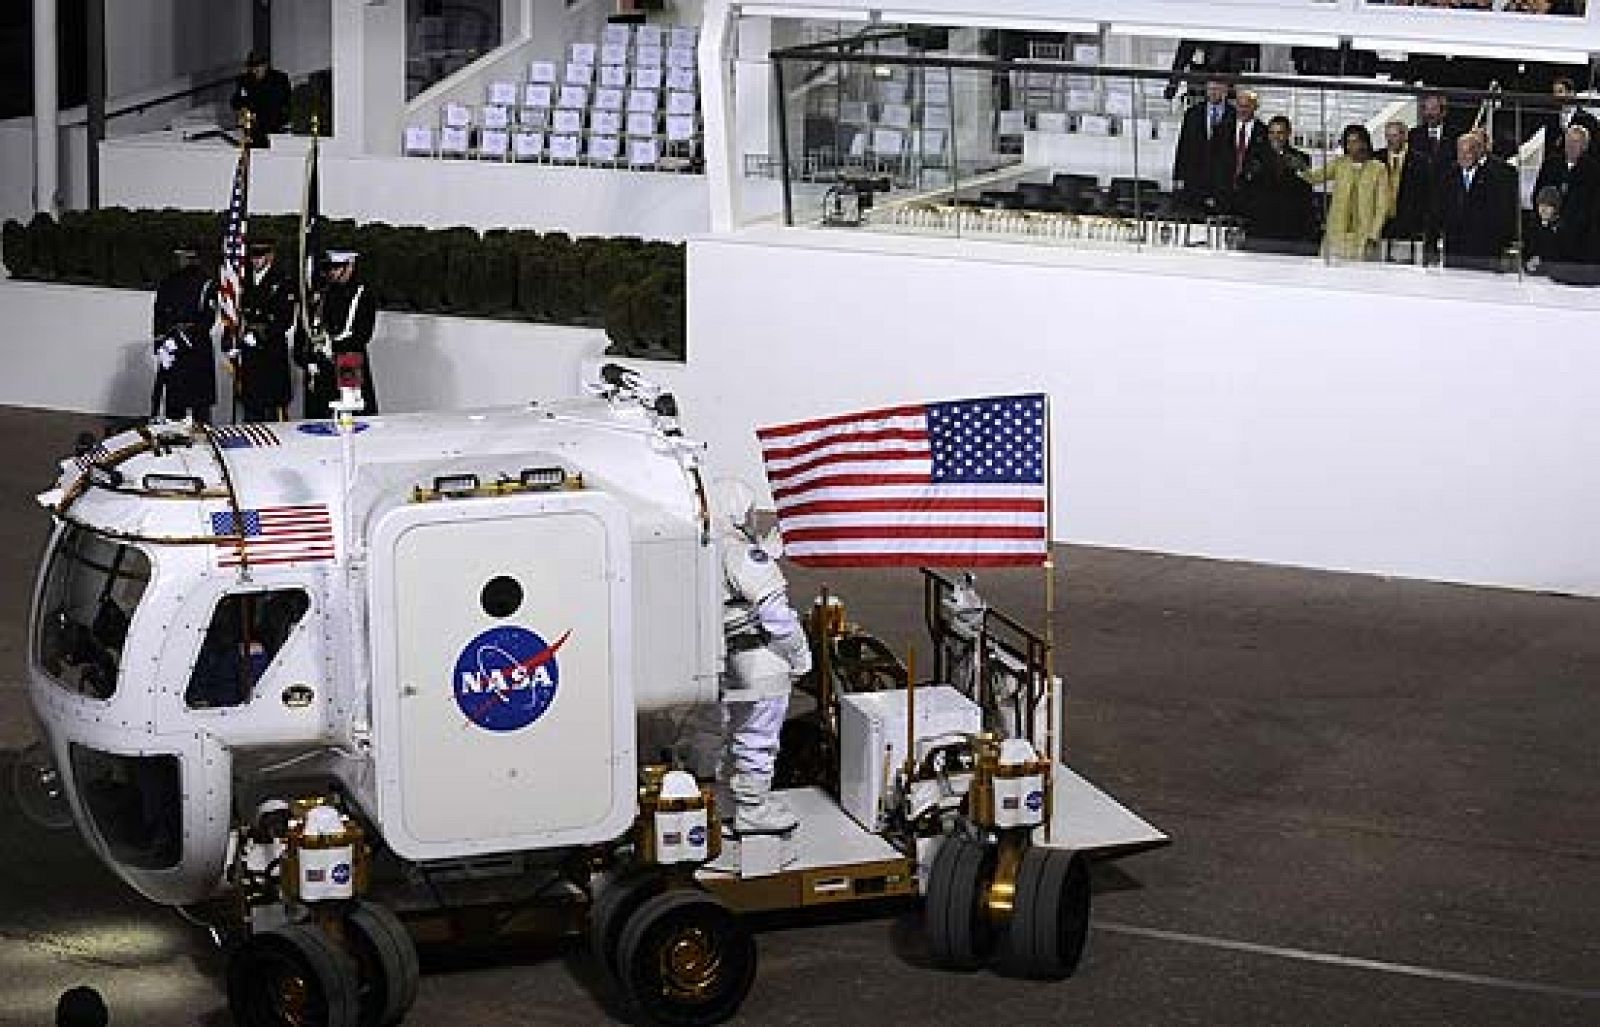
(800, 427)
(835, 533)
(873, 456)
(848, 480)
(931, 504)
(883, 435)
(918, 560)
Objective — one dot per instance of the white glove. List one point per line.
(166, 354)
(250, 339)
(795, 650)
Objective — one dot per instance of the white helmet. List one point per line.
(731, 502)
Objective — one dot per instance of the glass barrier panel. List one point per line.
(1569, 8)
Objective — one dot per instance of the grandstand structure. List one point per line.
(1407, 420)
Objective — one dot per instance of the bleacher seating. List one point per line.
(628, 100)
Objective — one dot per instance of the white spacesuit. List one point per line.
(767, 651)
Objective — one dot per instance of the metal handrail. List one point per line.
(144, 105)
(996, 65)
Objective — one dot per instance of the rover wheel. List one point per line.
(293, 976)
(612, 908)
(387, 958)
(1050, 918)
(959, 935)
(685, 959)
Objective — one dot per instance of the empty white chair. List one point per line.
(496, 117)
(503, 94)
(564, 148)
(684, 103)
(419, 141)
(607, 123)
(647, 78)
(640, 124)
(643, 101)
(614, 76)
(493, 144)
(527, 146)
(454, 141)
(538, 94)
(682, 78)
(680, 127)
(581, 53)
(614, 53)
(457, 115)
(608, 99)
(644, 153)
(542, 71)
(579, 74)
(573, 96)
(648, 56)
(604, 149)
(566, 119)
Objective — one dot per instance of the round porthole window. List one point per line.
(502, 596)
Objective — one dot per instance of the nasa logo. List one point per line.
(697, 836)
(329, 428)
(506, 678)
(341, 873)
(1035, 801)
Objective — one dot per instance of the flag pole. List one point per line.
(1052, 736)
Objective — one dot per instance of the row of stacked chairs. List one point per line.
(631, 100)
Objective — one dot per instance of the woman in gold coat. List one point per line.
(1360, 201)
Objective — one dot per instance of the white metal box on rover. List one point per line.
(872, 740)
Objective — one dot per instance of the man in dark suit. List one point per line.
(1410, 191)
(1433, 143)
(1563, 114)
(1202, 168)
(1574, 179)
(1274, 197)
(1477, 210)
(263, 92)
(1246, 136)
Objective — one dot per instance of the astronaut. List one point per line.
(767, 650)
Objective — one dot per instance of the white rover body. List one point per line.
(260, 650)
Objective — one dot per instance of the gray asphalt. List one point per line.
(1382, 795)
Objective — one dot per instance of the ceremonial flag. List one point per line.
(310, 236)
(231, 282)
(274, 535)
(958, 484)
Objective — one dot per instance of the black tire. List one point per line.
(293, 976)
(1050, 916)
(685, 959)
(959, 935)
(387, 959)
(616, 903)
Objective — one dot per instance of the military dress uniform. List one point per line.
(186, 369)
(265, 383)
(343, 320)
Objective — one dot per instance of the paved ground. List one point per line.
(1382, 795)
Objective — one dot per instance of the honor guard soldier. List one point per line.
(186, 368)
(265, 382)
(342, 325)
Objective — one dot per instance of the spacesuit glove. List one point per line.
(796, 650)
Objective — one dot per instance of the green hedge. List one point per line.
(632, 288)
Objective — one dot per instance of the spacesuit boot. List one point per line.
(756, 809)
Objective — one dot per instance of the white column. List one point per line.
(717, 109)
(46, 132)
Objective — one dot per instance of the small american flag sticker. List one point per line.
(274, 535)
(245, 436)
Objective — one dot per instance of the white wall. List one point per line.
(1431, 427)
(158, 171)
(89, 350)
(150, 42)
(1428, 426)
(302, 35)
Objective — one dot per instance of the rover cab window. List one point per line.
(247, 632)
(90, 593)
(136, 804)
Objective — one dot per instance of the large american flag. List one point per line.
(232, 278)
(938, 484)
(274, 535)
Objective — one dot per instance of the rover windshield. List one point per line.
(88, 599)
